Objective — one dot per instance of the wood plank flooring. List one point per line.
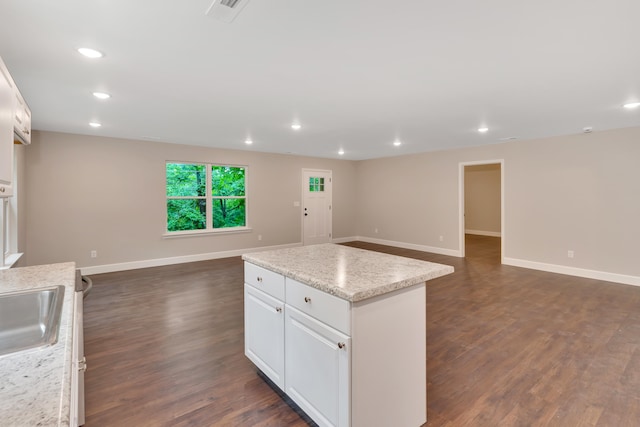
(506, 346)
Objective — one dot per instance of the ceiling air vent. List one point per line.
(229, 3)
(226, 10)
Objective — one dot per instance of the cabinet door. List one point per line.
(22, 119)
(318, 368)
(78, 364)
(6, 131)
(264, 333)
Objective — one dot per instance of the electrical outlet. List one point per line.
(259, 236)
(94, 254)
(441, 238)
(375, 231)
(570, 254)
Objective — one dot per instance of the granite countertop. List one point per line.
(35, 384)
(349, 273)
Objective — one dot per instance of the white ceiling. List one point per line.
(357, 74)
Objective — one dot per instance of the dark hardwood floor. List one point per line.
(506, 346)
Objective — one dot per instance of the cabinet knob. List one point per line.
(307, 300)
(259, 279)
(342, 345)
(1, 189)
(279, 309)
(26, 131)
(83, 364)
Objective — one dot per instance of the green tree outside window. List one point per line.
(205, 196)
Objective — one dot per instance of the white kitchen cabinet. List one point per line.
(346, 363)
(7, 98)
(22, 119)
(77, 416)
(317, 374)
(264, 333)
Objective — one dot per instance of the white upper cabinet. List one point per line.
(15, 120)
(7, 97)
(22, 119)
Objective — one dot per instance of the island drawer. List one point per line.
(267, 281)
(325, 307)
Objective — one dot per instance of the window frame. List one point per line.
(209, 198)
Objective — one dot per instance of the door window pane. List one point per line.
(316, 184)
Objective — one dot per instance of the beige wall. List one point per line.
(88, 193)
(577, 192)
(482, 199)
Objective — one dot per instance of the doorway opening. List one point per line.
(481, 201)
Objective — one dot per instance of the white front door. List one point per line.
(316, 206)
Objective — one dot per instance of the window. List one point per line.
(316, 184)
(205, 197)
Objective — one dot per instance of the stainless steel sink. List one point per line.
(30, 319)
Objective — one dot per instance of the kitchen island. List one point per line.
(342, 331)
(36, 384)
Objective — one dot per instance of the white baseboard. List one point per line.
(574, 271)
(133, 265)
(345, 239)
(423, 248)
(484, 233)
(552, 268)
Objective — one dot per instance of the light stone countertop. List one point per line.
(349, 273)
(35, 384)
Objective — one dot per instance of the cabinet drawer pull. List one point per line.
(279, 309)
(259, 279)
(307, 300)
(342, 345)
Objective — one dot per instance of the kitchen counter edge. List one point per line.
(307, 275)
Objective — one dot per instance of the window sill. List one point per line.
(10, 260)
(196, 233)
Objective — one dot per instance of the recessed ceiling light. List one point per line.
(397, 143)
(296, 126)
(101, 95)
(90, 53)
(248, 141)
(341, 152)
(632, 105)
(95, 124)
(483, 129)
